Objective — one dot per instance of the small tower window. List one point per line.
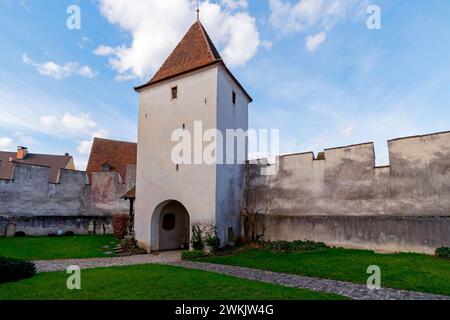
(106, 167)
(168, 221)
(174, 93)
(234, 97)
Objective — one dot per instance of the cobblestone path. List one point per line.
(347, 289)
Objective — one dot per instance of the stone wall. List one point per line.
(55, 225)
(345, 191)
(33, 205)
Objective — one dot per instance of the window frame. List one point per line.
(174, 92)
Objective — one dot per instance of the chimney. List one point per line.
(21, 152)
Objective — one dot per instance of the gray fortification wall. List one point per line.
(31, 204)
(344, 200)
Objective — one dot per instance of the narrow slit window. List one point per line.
(234, 97)
(174, 93)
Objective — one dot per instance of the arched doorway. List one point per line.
(170, 226)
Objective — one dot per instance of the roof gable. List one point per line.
(54, 162)
(116, 154)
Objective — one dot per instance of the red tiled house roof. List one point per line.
(117, 154)
(195, 51)
(54, 162)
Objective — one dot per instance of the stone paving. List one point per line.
(61, 265)
(347, 289)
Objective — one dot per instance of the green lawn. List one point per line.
(47, 248)
(151, 282)
(416, 272)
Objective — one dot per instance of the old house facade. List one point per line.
(44, 194)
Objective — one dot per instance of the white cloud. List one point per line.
(69, 124)
(156, 27)
(25, 4)
(84, 147)
(84, 42)
(235, 4)
(312, 15)
(24, 139)
(81, 125)
(266, 44)
(57, 71)
(313, 42)
(5, 142)
(348, 130)
(104, 51)
(81, 163)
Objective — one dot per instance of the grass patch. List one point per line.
(151, 282)
(48, 248)
(416, 272)
(193, 255)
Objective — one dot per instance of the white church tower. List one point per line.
(193, 86)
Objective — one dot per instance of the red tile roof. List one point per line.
(54, 162)
(117, 154)
(131, 194)
(195, 51)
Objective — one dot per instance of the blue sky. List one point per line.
(346, 85)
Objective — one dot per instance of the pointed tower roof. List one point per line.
(195, 51)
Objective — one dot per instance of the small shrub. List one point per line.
(14, 270)
(68, 234)
(212, 240)
(443, 252)
(197, 239)
(20, 234)
(121, 223)
(298, 245)
(193, 255)
(129, 247)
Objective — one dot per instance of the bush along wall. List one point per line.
(443, 252)
(15, 270)
(298, 245)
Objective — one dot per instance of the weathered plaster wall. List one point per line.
(158, 180)
(30, 194)
(380, 233)
(211, 193)
(230, 176)
(51, 225)
(347, 184)
(38, 207)
(107, 188)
